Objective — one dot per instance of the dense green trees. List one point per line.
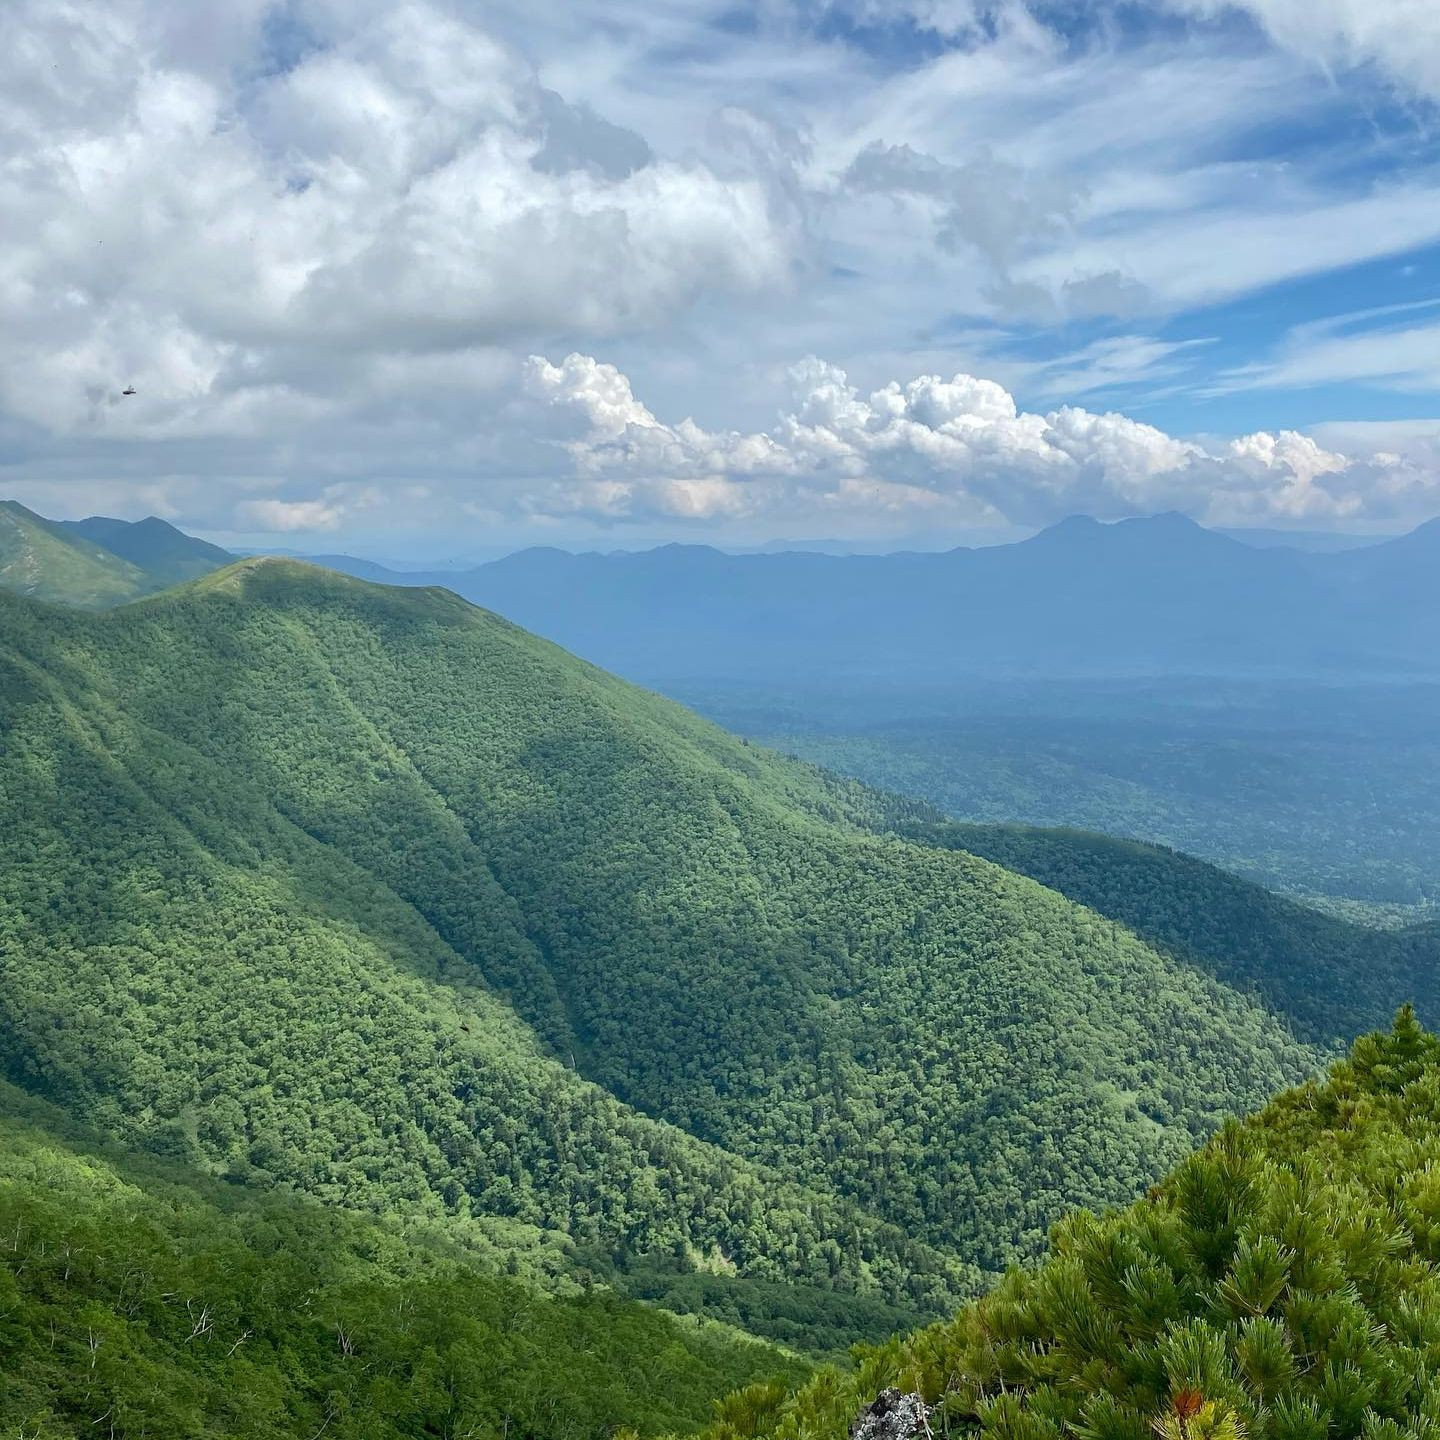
(367, 897)
(1282, 1284)
(370, 893)
(1318, 790)
(136, 1300)
(1331, 977)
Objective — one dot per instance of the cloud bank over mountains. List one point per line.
(432, 263)
(957, 450)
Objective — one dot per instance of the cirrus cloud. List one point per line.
(1401, 36)
(319, 239)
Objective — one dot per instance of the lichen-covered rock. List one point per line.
(893, 1415)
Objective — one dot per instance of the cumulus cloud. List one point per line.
(984, 203)
(997, 213)
(319, 238)
(285, 515)
(960, 446)
(216, 228)
(331, 509)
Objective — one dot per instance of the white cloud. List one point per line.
(985, 203)
(1402, 36)
(1110, 363)
(285, 515)
(320, 237)
(1404, 358)
(962, 444)
(328, 512)
(409, 186)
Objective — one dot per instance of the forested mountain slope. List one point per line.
(167, 556)
(99, 562)
(135, 1296)
(1282, 1284)
(1331, 977)
(369, 892)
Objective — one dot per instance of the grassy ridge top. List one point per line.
(97, 563)
(39, 559)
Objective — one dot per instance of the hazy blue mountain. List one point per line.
(1319, 542)
(166, 554)
(1397, 581)
(372, 570)
(1142, 597)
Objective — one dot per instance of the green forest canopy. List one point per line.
(1281, 1284)
(364, 892)
(138, 1299)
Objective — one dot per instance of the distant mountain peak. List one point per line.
(684, 547)
(1175, 520)
(1427, 534)
(1086, 530)
(1071, 525)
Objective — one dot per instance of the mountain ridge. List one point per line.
(99, 562)
(277, 782)
(40, 559)
(1147, 596)
(167, 554)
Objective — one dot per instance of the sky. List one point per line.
(433, 277)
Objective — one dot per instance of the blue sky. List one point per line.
(417, 276)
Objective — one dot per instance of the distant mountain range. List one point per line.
(1316, 541)
(1156, 596)
(1150, 596)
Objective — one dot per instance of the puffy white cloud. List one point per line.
(960, 446)
(222, 234)
(682, 472)
(319, 237)
(331, 509)
(286, 515)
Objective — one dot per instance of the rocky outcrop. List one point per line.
(893, 1415)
